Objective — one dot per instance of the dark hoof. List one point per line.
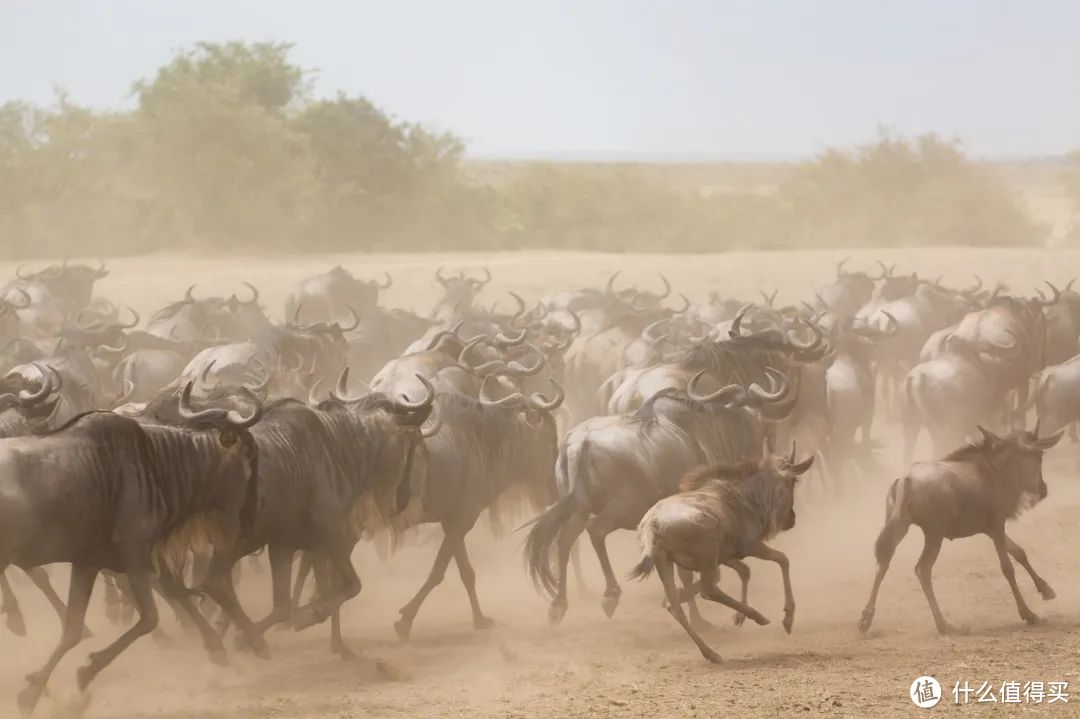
(712, 657)
(403, 628)
(346, 654)
(1032, 619)
(28, 698)
(740, 619)
(608, 604)
(85, 674)
(789, 621)
(1047, 592)
(865, 621)
(483, 622)
(16, 624)
(556, 612)
(218, 656)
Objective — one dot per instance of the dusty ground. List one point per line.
(639, 663)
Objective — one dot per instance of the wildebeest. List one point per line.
(721, 513)
(327, 297)
(1056, 395)
(973, 490)
(610, 470)
(489, 453)
(104, 492)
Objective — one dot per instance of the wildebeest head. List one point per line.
(785, 471)
(1015, 463)
(458, 293)
(72, 285)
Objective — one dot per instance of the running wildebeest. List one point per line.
(104, 492)
(723, 512)
(973, 490)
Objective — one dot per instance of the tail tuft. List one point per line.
(642, 569)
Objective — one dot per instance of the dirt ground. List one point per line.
(639, 663)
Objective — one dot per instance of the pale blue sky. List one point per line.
(753, 79)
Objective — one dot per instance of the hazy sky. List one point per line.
(750, 79)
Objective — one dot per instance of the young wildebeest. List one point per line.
(722, 513)
(104, 492)
(973, 490)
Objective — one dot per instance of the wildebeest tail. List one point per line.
(647, 538)
(546, 528)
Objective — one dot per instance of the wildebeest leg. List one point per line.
(891, 535)
(302, 571)
(327, 582)
(686, 577)
(403, 626)
(468, 578)
(281, 561)
(1002, 547)
(764, 551)
(40, 578)
(911, 429)
(1017, 552)
(176, 592)
(744, 577)
(143, 594)
(599, 527)
(219, 585)
(82, 584)
(710, 590)
(10, 607)
(923, 569)
(665, 570)
(114, 603)
(567, 541)
(579, 574)
(159, 635)
(319, 609)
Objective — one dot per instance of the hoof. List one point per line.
(85, 674)
(219, 657)
(949, 629)
(789, 621)
(28, 698)
(864, 622)
(608, 604)
(346, 654)
(740, 619)
(16, 624)
(712, 657)
(556, 612)
(1032, 619)
(403, 628)
(483, 623)
(1047, 592)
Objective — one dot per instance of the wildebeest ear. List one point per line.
(989, 436)
(1047, 442)
(801, 467)
(227, 438)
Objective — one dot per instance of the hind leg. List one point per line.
(689, 590)
(599, 527)
(666, 571)
(10, 607)
(711, 590)
(1001, 545)
(744, 577)
(890, 537)
(763, 551)
(567, 544)
(923, 570)
(579, 574)
(468, 578)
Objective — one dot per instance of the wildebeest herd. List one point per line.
(158, 455)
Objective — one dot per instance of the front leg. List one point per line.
(763, 551)
(1001, 546)
(1017, 552)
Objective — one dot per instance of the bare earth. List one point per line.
(639, 663)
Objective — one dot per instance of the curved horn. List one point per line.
(791, 457)
(610, 288)
(978, 286)
(27, 397)
(769, 299)
(21, 276)
(26, 298)
(686, 304)
(204, 376)
(1054, 299)
(885, 271)
(122, 347)
(777, 380)
(432, 430)
(439, 277)
(840, 268)
(732, 391)
(232, 416)
(541, 402)
(188, 297)
(386, 285)
(356, 320)
(341, 391)
(1068, 287)
(254, 293)
(488, 367)
(487, 277)
(649, 333)
(134, 322)
(504, 340)
(814, 344)
(421, 404)
(313, 393)
(892, 326)
(268, 376)
(667, 286)
(989, 436)
(516, 367)
(101, 271)
(520, 310)
(512, 400)
(736, 323)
